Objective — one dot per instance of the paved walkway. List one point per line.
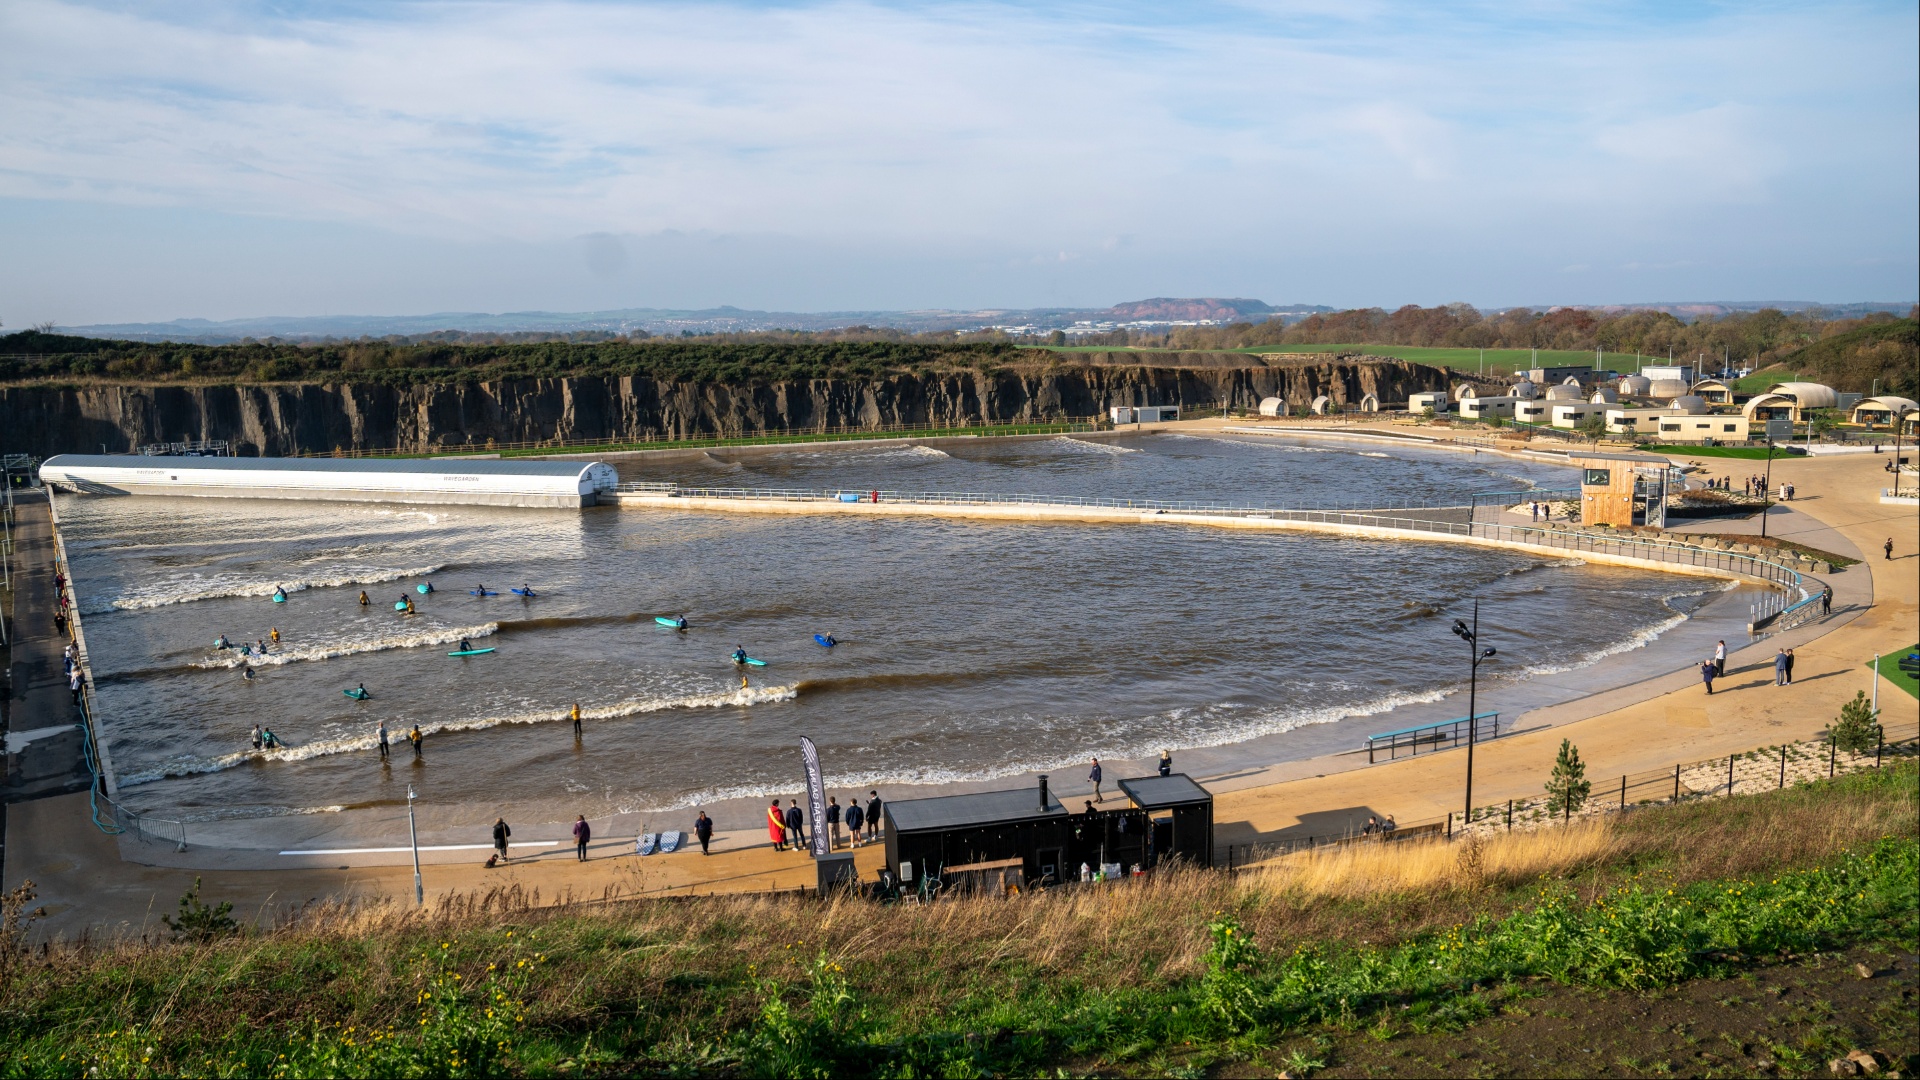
(87, 884)
(44, 739)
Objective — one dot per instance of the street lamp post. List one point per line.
(413, 838)
(1767, 495)
(1471, 635)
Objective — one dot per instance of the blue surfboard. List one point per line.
(477, 592)
(523, 592)
(821, 640)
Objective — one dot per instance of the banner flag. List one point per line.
(816, 800)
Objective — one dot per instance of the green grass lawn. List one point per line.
(1758, 453)
(1890, 667)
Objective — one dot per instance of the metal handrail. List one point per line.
(1435, 733)
(952, 498)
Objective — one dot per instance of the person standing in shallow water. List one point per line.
(576, 720)
(383, 740)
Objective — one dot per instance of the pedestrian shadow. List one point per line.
(1345, 821)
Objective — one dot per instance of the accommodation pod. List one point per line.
(470, 481)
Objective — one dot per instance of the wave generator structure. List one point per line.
(468, 481)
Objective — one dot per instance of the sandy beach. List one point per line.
(1625, 716)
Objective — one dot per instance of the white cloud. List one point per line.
(977, 132)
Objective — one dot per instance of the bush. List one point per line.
(1568, 787)
(1857, 729)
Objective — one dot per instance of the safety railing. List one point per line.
(986, 498)
(1766, 768)
(1441, 735)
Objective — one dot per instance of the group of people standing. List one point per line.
(788, 828)
(1717, 667)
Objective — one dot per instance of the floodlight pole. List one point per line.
(413, 838)
(1766, 496)
(1474, 657)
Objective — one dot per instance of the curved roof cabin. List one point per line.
(470, 481)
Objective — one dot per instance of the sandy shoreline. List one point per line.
(1264, 790)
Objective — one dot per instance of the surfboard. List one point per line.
(821, 640)
(357, 694)
(523, 592)
(278, 599)
(748, 660)
(669, 843)
(423, 589)
(399, 605)
(664, 621)
(477, 592)
(469, 652)
(646, 844)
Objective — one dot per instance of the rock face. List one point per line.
(290, 418)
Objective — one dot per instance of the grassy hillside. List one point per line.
(1888, 353)
(1181, 975)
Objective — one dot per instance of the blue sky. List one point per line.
(221, 160)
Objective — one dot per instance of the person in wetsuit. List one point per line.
(363, 598)
(465, 645)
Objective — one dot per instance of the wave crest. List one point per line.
(327, 651)
(222, 586)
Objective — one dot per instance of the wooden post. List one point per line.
(1676, 782)
(1509, 815)
(1729, 774)
(1833, 753)
(1880, 744)
(1623, 791)
(1449, 824)
(1783, 764)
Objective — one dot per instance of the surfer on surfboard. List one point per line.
(465, 645)
(740, 655)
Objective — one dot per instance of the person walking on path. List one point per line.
(1094, 776)
(416, 739)
(1720, 660)
(385, 750)
(500, 834)
(1888, 548)
(1166, 763)
(703, 831)
(576, 720)
(854, 818)
(833, 824)
(796, 825)
(1826, 601)
(776, 826)
(1789, 667)
(582, 832)
(1780, 668)
(873, 814)
(1706, 675)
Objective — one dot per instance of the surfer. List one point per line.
(361, 692)
(256, 737)
(832, 641)
(739, 655)
(268, 739)
(465, 645)
(416, 739)
(279, 595)
(525, 589)
(480, 591)
(408, 600)
(246, 673)
(221, 642)
(576, 720)
(273, 634)
(259, 647)
(680, 622)
(363, 598)
(743, 682)
(428, 586)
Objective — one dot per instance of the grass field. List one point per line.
(1890, 667)
(1183, 974)
(1497, 361)
(1757, 453)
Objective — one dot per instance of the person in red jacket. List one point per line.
(777, 826)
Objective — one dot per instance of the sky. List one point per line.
(231, 159)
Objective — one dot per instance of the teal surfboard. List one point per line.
(469, 652)
(399, 605)
(748, 660)
(423, 589)
(357, 694)
(664, 621)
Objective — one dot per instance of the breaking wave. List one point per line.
(1090, 446)
(320, 748)
(328, 650)
(221, 586)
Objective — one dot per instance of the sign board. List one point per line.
(1779, 430)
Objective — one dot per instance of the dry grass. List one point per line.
(1351, 871)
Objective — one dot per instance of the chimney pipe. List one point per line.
(1043, 792)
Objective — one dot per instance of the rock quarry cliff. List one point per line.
(294, 418)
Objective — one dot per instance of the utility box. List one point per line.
(835, 871)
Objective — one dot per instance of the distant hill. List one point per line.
(1888, 352)
(668, 322)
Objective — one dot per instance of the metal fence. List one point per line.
(1437, 736)
(987, 498)
(1766, 768)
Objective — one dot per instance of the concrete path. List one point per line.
(44, 737)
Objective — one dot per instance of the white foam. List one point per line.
(1090, 446)
(1370, 453)
(186, 590)
(328, 650)
(1639, 638)
(398, 730)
